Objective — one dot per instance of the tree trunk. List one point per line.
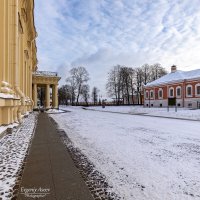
(79, 89)
(127, 93)
(132, 92)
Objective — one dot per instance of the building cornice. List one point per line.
(46, 79)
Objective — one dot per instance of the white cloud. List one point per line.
(103, 33)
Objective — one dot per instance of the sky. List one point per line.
(99, 34)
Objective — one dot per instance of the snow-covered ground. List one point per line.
(4, 128)
(142, 157)
(13, 148)
(183, 113)
(52, 111)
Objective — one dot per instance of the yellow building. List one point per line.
(18, 61)
(17, 58)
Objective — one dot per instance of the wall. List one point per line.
(182, 101)
(17, 59)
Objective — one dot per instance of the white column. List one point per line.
(55, 96)
(47, 96)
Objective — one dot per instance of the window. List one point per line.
(189, 90)
(147, 94)
(171, 92)
(197, 89)
(151, 94)
(160, 93)
(178, 91)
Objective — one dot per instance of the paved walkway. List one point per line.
(49, 166)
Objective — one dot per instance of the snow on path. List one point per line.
(13, 148)
(183, 113)
(142, 157)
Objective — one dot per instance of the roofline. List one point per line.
(172, 82)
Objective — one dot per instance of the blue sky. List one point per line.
(99, 34)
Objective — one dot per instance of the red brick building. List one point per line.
(184, 86)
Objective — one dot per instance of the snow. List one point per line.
(4, 128)
(176, 76)
(13, 148)
(142, 157)
(51, 111)
(182, 113)
(45, 73)
(6, 96)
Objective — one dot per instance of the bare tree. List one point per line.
(124, 82)
(120, 83)
(85, 90)
(146, 73)
(73, 85)
(78, 77)
(132, 82)
(95, 92)
(139, 84)
(113, 85)
(157, 71)
(64, 94)
(126, 74)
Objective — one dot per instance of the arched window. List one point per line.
(171, 92)
(197, 89)
(189, 90)
(160, 93)
(151, 94)
(147, 94)
(178, 91)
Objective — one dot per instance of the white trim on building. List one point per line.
(180, 92)
(197, 90)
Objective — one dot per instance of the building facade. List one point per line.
(182, 86)
(17, 59)
(48, 81)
